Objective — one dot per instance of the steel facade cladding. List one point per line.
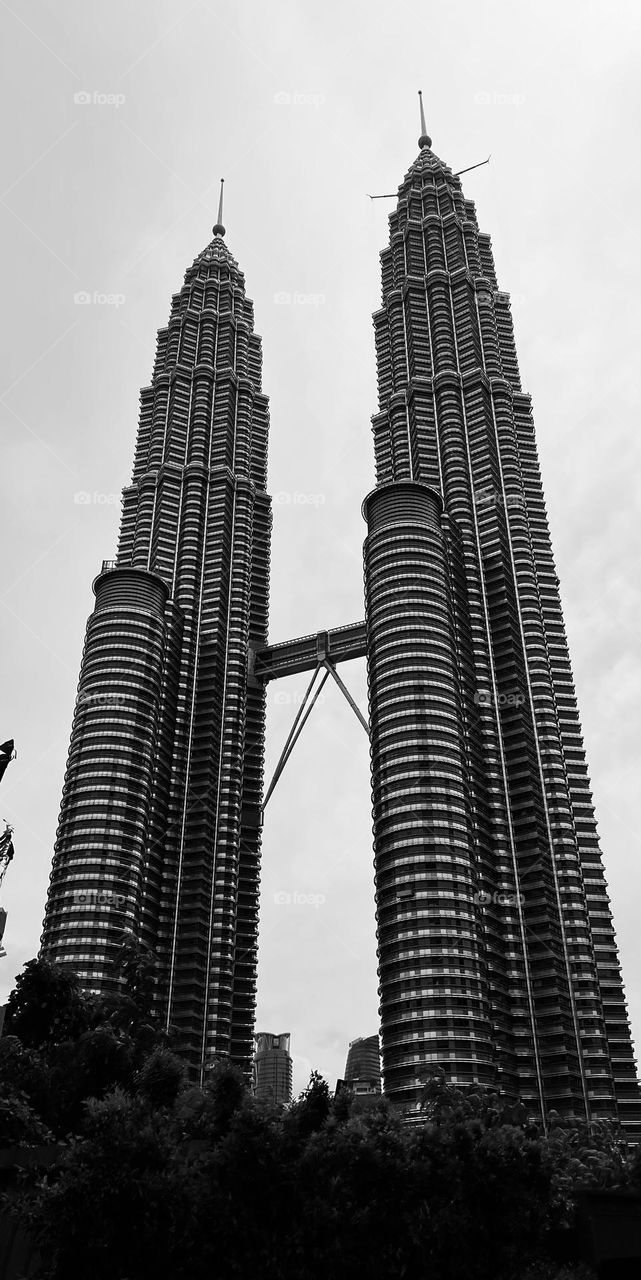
(497, 957)
(159, 828)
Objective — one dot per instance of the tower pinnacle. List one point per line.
(218, 229)
(424, 140)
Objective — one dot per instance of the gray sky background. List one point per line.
(305, 108)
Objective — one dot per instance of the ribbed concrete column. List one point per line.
(430, 967)
(96, 881)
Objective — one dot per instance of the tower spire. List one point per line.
(219, 229)
(424, 140)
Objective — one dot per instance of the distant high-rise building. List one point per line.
(273, 1067)
(364, 1062)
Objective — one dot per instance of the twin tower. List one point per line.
(496, 953)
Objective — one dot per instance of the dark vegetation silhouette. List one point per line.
(156, 1177)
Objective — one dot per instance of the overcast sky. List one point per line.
(119, 118)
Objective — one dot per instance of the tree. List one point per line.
(131, 1009)
(64, 1046)
(161, 1078)
(46, 1005)
(310, 1112)
(115, 1206)
(160, 1176)
(20, 1125)
(301, 1194)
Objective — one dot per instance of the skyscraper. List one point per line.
(273, 1067)
(497, 957)
(363, 1060)
(160, 821)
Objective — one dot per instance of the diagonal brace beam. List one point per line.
(295, 731)
(344, 690)
(302, 716)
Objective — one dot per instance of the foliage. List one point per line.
(62, 1046)
(310, 1112)
(130, 1009)
(115, 1206)
(19, 1123)
(160, 1078)
(159, 1176)
(259, 1192)
(46, 1006)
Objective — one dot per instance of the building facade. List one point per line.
(497, 957)
(273, 1069)
(496, 950)
(364, 1062)
(159, 829)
